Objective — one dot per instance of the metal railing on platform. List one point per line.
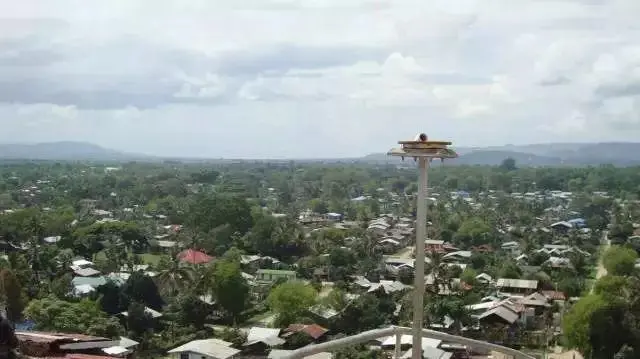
(399, 332)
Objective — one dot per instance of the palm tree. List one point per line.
(174, 276)
(438, 271)
(457, 311)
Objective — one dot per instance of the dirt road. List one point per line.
(602, 271)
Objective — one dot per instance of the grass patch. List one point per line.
(150, 258)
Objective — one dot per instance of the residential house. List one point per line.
(273, 275)
(322, 315)
(152, 313)
(434, 246)
(499, 314)
(561, 227)
(379, 226)
(160, 244)
(558, 262)
(484, 278)
(457, 256)
(281, 353)
(511, 247)
(554, 295)
(85, 285)
(429, 353)
(309, 333)
(393, 265)
(516, 286)
(80, 263)
(52, 239)
(389, 245)
(57, 345)
(539, 302)
(86, 272)
(522, 259)
(385, 287)
(204, 349)
(193, 256)
(578, 222)
(483, 248)
(124, 348)
(260, 339)
(334, 216)
(8, 247)
(406, 341)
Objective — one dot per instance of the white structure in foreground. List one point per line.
(399, 332)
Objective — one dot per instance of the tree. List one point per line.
(141, 288)
(606, 333)
(11, 294)
(577, 322)
(478, 260)
(472, 231)
(619, 260)
(509, 270)
(359, 352)
(234, 335)
(290, 300)
(341, 262)
(111, 298)
(508, 164)
(230, 288)
(192, 311)
(173, 276)
(213, 210)
(139, 322)
(609, 285)
(468, 276)
(336, 299)
(62, 286)
(84, 316)
(366, 312)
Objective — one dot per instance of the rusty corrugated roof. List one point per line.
(313, 330)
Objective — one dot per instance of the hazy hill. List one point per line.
(64, 151)
(552, 154)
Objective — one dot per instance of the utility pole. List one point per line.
(423, 151)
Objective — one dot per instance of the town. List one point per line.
(248, 260)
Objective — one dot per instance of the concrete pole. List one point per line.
(398, 348)
(421, 235)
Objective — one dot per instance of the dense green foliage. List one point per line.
(229, 211)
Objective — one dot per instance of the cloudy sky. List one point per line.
(317, 78)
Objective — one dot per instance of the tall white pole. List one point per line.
(421, 235)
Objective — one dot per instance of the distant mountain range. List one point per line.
(64, 151)
(552, 154)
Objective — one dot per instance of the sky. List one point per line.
(317, 78)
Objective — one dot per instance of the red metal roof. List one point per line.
(194, 257)
(313, 330)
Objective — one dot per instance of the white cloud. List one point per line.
(193, 75)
